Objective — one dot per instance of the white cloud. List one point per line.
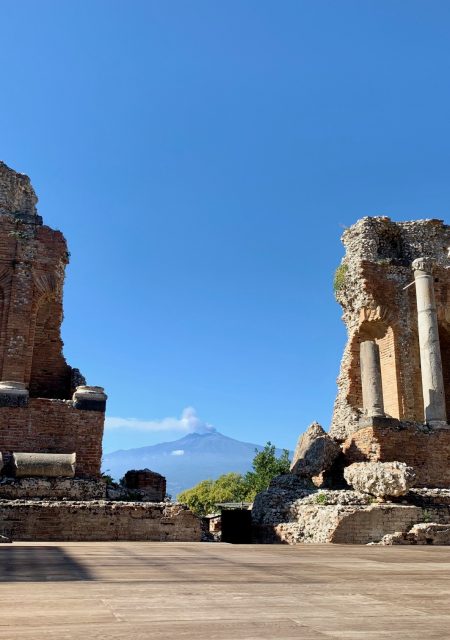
(188, 422)
(177, 452)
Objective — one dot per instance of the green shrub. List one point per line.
(339, 277)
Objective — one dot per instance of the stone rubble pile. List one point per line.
(422, 533)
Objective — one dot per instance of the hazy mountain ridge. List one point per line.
(186, 461)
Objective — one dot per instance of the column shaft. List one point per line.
(372, 390)
(430, 352)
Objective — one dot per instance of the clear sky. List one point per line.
(202, 159)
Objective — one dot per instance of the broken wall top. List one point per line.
(17, 196)
(379, 238)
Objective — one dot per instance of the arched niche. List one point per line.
(375, 326)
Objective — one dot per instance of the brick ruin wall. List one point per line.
(54, 426)
(33, 258)
(148, 483)
(97, 521)
(32, 263)
(376, 306)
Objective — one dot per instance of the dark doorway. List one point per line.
(237, 526)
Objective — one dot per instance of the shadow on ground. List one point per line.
(39, 564)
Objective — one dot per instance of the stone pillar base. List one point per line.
(90, 398)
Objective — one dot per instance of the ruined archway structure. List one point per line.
(379, 300)
(45, 405)
(382, 473)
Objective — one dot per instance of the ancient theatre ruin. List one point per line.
(382, 473)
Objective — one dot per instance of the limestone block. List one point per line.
(53, 465)
(381, 479)
(315, 452)
(421, 533)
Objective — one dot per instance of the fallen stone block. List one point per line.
(380, 479)
(315, 452)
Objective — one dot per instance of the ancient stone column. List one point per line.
(430, 352)
(372, 390)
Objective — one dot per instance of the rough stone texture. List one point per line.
(370, 288)
(17, 196)
(274, 504)
(150, 485)
(315, 452)
(340, 517)
(422, 533)
(428, 497)
(426, 450)
(97, 520)
(32, 264)
(292, 514)
(52, 488)
(380, 479)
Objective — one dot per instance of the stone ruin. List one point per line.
(51, 422)
(382, 473)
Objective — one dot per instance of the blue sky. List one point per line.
(202, 159)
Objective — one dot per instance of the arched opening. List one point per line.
(444, 340)
(383, 334)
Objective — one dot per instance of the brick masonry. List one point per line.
(426, 450)
(33, 258)
(54, 426)
(150, 484)
(97, 520)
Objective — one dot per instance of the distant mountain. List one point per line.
(186, 461)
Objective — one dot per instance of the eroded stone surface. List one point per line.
(52, 489)
(380, 479)
(315, 452)
(421, 533)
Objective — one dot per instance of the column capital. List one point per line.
(423, 264)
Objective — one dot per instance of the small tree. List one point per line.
(266, 466)
(201, 499)
(233, 487)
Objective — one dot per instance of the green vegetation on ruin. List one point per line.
(339, 277)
